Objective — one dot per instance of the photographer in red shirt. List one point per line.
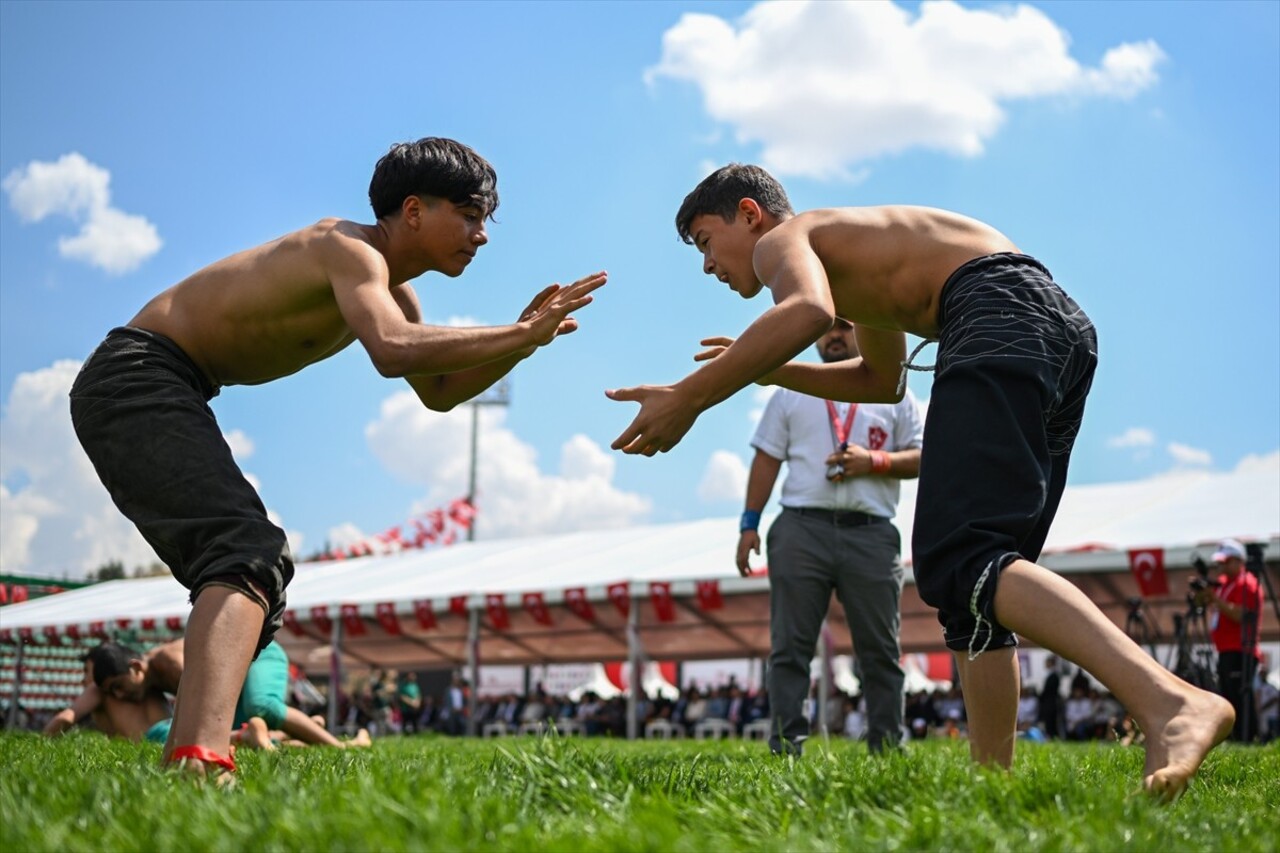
(1236, 601)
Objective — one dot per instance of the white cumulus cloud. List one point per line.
(724, 478)
(1133, 437)
(514, 496)
(823, 86)
(1187, 456)
(79, 190)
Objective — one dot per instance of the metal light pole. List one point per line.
(496, 395)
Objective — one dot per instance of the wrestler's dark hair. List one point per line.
(109, 660)
(720, 192)
(433, 166)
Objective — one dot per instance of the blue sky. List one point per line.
(1133, 147)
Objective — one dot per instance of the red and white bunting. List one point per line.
(425, 615)
(1147, 566)
(320, 618)
(351, 620)
(462, 512)
(536, 606)
(291, 622)
(51, 635)
(431, 528)
(123, 624)
(663, 606)
(26, 635)
(73, 631)
(458, 606)
(497, 607)
(173, 623)
(148, 624)
(576, 600)
(386, 613)
(98, 629)
(620, 595)
(709, 597)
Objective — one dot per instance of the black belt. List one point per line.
(838, 517)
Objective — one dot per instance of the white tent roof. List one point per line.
(1183, 513)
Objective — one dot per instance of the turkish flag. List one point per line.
(291, 622)
(18, 593)
(320, 618)
(1147, 565)
(386, 612)
(497, 611)
(73, 631)
(536, 605)
(51, 634)
(6, 636)
(173, 623)
(462, 511)
(425, 615)
(25, 635)
(458, 605)
(351, 620)
(709, 597)
(4, 593)
(663, 606)
(97, 629)
(576, 600)
(123, 624)
(148, 624)
(620, 595)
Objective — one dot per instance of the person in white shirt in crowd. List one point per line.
(844, 466)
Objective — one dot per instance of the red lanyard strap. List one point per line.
(839, 431)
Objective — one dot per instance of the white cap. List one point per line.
(1227, 549)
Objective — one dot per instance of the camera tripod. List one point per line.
(1141, 629)
(1194, 656)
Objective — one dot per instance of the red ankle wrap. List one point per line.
(200, 753)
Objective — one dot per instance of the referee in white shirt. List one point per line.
(835, 532)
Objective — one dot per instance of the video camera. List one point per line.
(1202, 582)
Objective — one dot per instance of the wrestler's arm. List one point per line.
(801, 313)
(85, 704)
(164, 667)
(444, 391)
(871, 377)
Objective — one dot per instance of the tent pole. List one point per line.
(17, 686)
(637, 679)
(335, 671)
(473, 668)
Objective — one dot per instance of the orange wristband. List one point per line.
(880, 462)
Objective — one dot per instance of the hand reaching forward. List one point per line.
(548, 314)
(663, 420)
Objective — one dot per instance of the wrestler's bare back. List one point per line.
(886, 265)
(260, 314)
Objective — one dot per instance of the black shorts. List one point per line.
(140, 409)
(1016, 358)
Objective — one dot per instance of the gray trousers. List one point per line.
(808, 558)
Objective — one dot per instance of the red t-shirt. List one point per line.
(1243, 588)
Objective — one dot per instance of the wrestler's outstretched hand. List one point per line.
(548, 313)
(663, 420)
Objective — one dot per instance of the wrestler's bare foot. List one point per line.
(254, 735)
(1178, 741)
(360, 741)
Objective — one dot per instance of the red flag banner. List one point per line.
(4, 593)
(497, 611)
(97, 629)
(26, 635)
(6, 636)
(425, 615)
(73, 631)
(536, 606)
(351, 620)
(148, 624)
(291, 622)
(663, 606)
(709, 597)
(458, 606)
(576, 600)
(320, 618)
(173, 623)
(462, 512)
(620, 595)
(123, 624)
(18, 593)
(386, 612)
(1147, 565)
(51, 634)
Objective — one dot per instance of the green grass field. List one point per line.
(82, 792)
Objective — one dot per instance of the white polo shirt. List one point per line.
(796, 428)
